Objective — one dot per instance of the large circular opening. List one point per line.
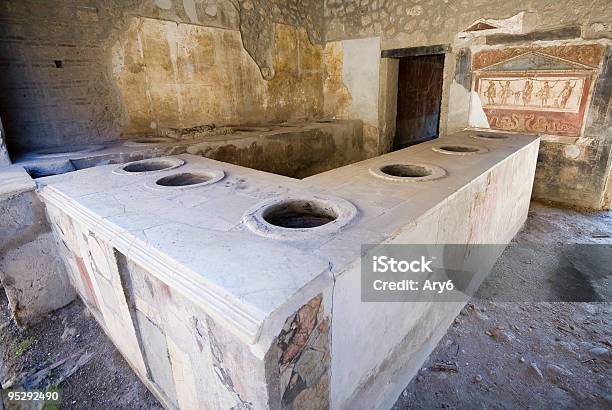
(291, 218)
(490, 136)
(183, 179)
(325, 121)
(458, 148)
(297, 214)
(186, 180)
(406, 170)
(149, 165)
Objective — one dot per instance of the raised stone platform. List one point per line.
(31, 269)
(226, 287)
(297, 149)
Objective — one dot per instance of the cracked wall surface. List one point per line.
(257, 18)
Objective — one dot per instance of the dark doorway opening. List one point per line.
(419, 97)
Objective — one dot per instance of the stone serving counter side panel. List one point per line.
(31, 269)
(449, 210)
(212, 314)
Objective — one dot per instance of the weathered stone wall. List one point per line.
(56, 59)
(574, 172)
(417, 23)
(412, 23)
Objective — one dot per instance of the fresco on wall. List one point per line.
(536, 90)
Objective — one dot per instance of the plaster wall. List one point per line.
(181, 76)
(351, 86)
(574, 161)
(574, 172)
(415, 24)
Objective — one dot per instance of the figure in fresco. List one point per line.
(491, 93)
(506, 92)
(527, 90)
(544, 93)
(566, 93)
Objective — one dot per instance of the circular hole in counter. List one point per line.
(190, 179)
(408, 172)
(299, 218)
(183, 179)
(405, 170)
(325, 121)
(298, 213)
(149, 165)
(490, 136)
(457, 149)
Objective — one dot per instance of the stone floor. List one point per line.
(497, 354)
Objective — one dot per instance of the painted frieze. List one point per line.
(536, 90)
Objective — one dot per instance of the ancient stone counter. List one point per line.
(229, 287)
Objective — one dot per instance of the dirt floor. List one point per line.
(518, 343)
(69, 352)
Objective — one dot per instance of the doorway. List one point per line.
(419, 97)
